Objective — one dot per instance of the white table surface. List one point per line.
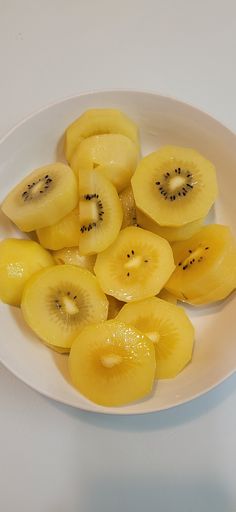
(54, 458)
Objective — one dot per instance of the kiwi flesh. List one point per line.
(174, 186)
(67, 298)
(129, 207)
(42, 198)
(137, 265)
(100, 212)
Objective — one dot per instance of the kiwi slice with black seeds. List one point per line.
(100, 212)
(67, 298)
(42, 198)
(175, 186)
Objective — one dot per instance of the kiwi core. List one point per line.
(175, 183)
(110, 360)
(36, 188)
(91, 212)
(70, 305)
(195, 256)
(153, 336)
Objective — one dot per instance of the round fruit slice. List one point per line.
(112, 364)
(136, 266)
(42, 198)
(168, 327)
(65, 233)
(19, 260)
(100, 212)
(72, 256)
(129, 208)
(204, 263)
(59, 301)
(97, 122)
(175, 186)
(112, 154)
(172, 234)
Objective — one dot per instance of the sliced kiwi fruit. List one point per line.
(19, 259)
(112, 154)
(100, 212)
(42, 198)
(175, 186)
(72, 256)
(129, 208)
(168, 327)
(171, 233)
(137, 265)
(59, 301)
(112, 364)
(64, 233)
(205, 266)
(97, 122)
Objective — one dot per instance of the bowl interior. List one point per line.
(38, 141)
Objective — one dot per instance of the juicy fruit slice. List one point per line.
(97, 122)
(168, 327)
(115, 306)
(170, 233)
(112, 154)
(65, 233)
(19, 260)
(205, 264)
(112, 364)
(129, 208)
(100, 212)
(165, 295)
(175, 186)
(42, 198)
(72, 256)
(59, 301)
(137, 265)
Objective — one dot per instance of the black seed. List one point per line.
(145, 261)
(180, 263)
(68, 293)
(75, 297)
(132, 251)
(193, 260)
(184, 194)
(190, 186)
(41, 191)
(128, 274)
(206, 248)
(128, 255)
(190, 251)
(158, 182)
(185, 266)
(179, 169)
(46, 176)
(176, 170)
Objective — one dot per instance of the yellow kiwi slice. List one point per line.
(59, 301)
(168, 327)
(65, 233)
(112, 154)
(170, 233)
(112, 364)
(137, 265)
(97, 122)
(19, 260)
(205, 265)
(169, 297)
(72, 256)
(42, 198)
(115, 306)
(100, 212)
(129, 208)
(175, 186)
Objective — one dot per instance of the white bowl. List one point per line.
(37, 141)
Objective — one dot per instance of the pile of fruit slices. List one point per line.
(120, 240)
